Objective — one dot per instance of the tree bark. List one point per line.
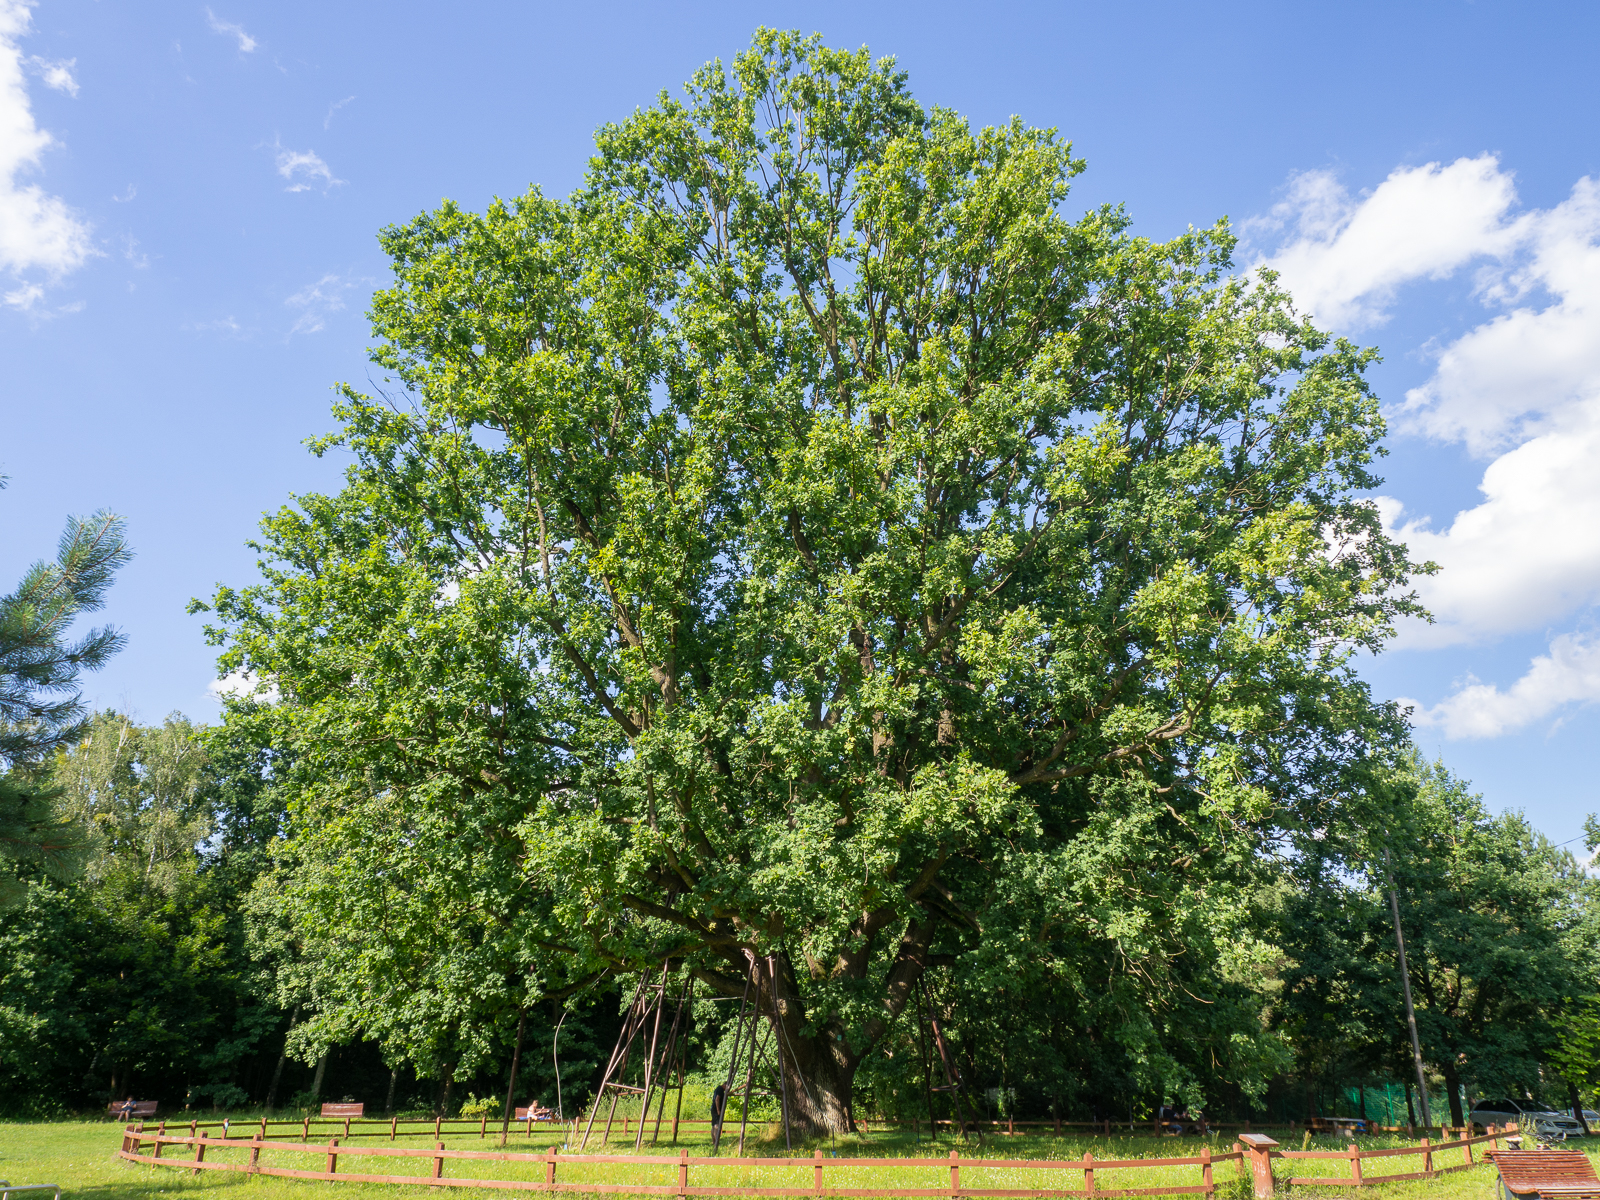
(277, 1072)
(1577, 1107)
(820, 1069)
(316, 1080)
(446, 1085)
(1452, 1083)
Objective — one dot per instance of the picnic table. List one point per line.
(1564, 1173)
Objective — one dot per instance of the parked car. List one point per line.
(1530, 1118)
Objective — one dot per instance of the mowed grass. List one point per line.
(81, 1157)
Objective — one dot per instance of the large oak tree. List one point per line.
(807, 540)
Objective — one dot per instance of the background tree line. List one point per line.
(163, 966)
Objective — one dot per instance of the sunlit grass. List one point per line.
(81, 1157)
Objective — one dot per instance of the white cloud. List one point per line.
(333, 108)
(229, 29)
(1569, 674)
(1521, 388)
(1530, 368)
(303, 168)
(38, 232)
(1528, 555)
(57, 73)
(24, 297)
(1348, 256)
(316, 301)
(225, 325)
(240, 685)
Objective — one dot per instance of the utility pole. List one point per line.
(1405, 983)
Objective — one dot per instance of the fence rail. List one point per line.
(395, 1127)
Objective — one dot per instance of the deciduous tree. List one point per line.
(807, 540)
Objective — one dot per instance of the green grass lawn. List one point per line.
(81, 1157)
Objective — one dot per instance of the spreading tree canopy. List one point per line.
(809, 540)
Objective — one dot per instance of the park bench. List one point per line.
(534, 1112)
(1565, 1173)
(139, 1108)
(343, 1110)
(1341, 1125)
(7, 1190)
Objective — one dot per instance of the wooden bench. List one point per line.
(534, 1112)
(1564, 1173)
(139, 1108)
(343, 1110)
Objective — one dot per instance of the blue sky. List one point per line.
(189, 196)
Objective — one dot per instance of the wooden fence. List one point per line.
(1357, 1157)
(563, 1172)
(558, 1169)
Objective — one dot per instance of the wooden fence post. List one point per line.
(394, 1123)
(1261, 1148)
(437, 1121)
(955, 1173)
(1466, 1145)
(1355, 1163)
(1205, 1170)
(1427, 1156)
(550, 1170)
(199, 1154)
(263, 1129)
(483, 1126)
(305, 1130)
(333, 1156)
(255, 1156)
(438, 1161)
(157, 1153)
(683, 1172)
(1238, 1163)
(1108, 1126)
(816, 1172)
(1088, 1171)
(347, 1127)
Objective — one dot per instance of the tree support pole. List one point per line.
(1405, 983)
(511, 1086)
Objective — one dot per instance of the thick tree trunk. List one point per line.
(820, 1082)
(316, 1080)
(277, 1072)
(820, 1069)
(1452, 1084)
(1577, 1108)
